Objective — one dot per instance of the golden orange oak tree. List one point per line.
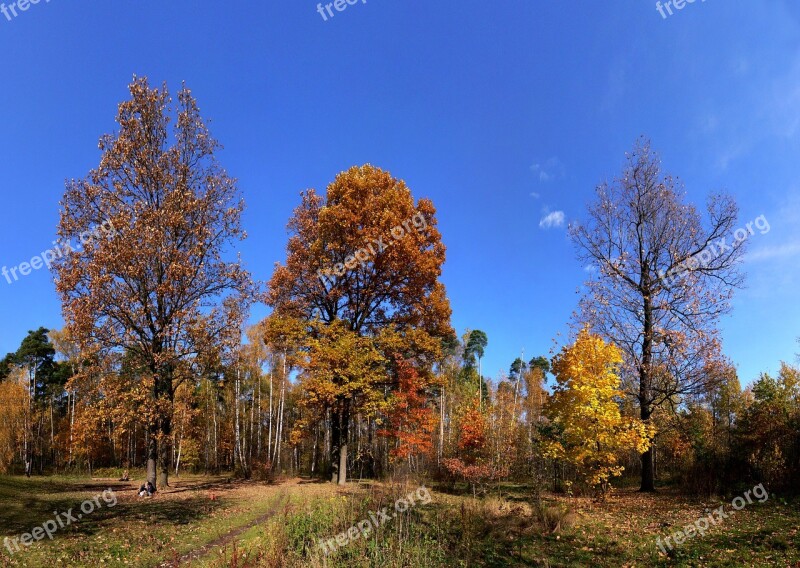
(157, 285)
(366, 258)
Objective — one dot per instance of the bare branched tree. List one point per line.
(663, 279)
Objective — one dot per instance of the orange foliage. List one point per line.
(411, 419)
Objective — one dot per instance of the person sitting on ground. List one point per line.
(125, 476)
(147, 490)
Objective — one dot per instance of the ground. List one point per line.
(216, 521)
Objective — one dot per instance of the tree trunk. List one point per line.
(260, 418)
(335, 439)
(252, 426)
(164, 452)
(269, 436)
(648, 471)
(71, 423)
(341, 423)
(152, 453)
(314, 450)
(180, 443)
(237, 450)
(440, 449)
(342, 464)
(279, 428)
(279, 432)
(216, 445)
(480, 385)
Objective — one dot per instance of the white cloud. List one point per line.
(535, 195)
(549, 170)
(554, 219)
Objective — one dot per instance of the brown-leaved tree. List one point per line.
(157, 286)
(365, 259)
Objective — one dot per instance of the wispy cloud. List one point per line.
(772, 252)
(552, 220)
(535, 195)
(549, 170)
(767, 107)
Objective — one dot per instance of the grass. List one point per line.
(209, 522)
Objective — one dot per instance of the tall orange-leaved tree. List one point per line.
(154, 282)
(368, 256)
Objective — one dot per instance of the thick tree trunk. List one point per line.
(164, 452)
(159, 450)
(645, 394)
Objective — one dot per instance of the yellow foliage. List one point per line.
(585, 409)
(14, 399)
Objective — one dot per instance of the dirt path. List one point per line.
(225, 539)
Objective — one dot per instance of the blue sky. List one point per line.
(502, 113)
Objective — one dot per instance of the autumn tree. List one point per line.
(663, 279)
(768, 436)
(468, 460)
(411, 419)
(367, 258)
(68, 353)
(699, 436)
(14, 412)
(286, 338)
(154, 282)
(36, 358)
(585, 410)
(504, 426)
(342, 376)
(448, 385)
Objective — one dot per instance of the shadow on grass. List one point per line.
(166, 512)
(25, 505)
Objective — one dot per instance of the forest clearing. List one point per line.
(215, 522)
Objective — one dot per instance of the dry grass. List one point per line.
(251, 524)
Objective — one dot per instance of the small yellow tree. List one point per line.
(585, 412)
